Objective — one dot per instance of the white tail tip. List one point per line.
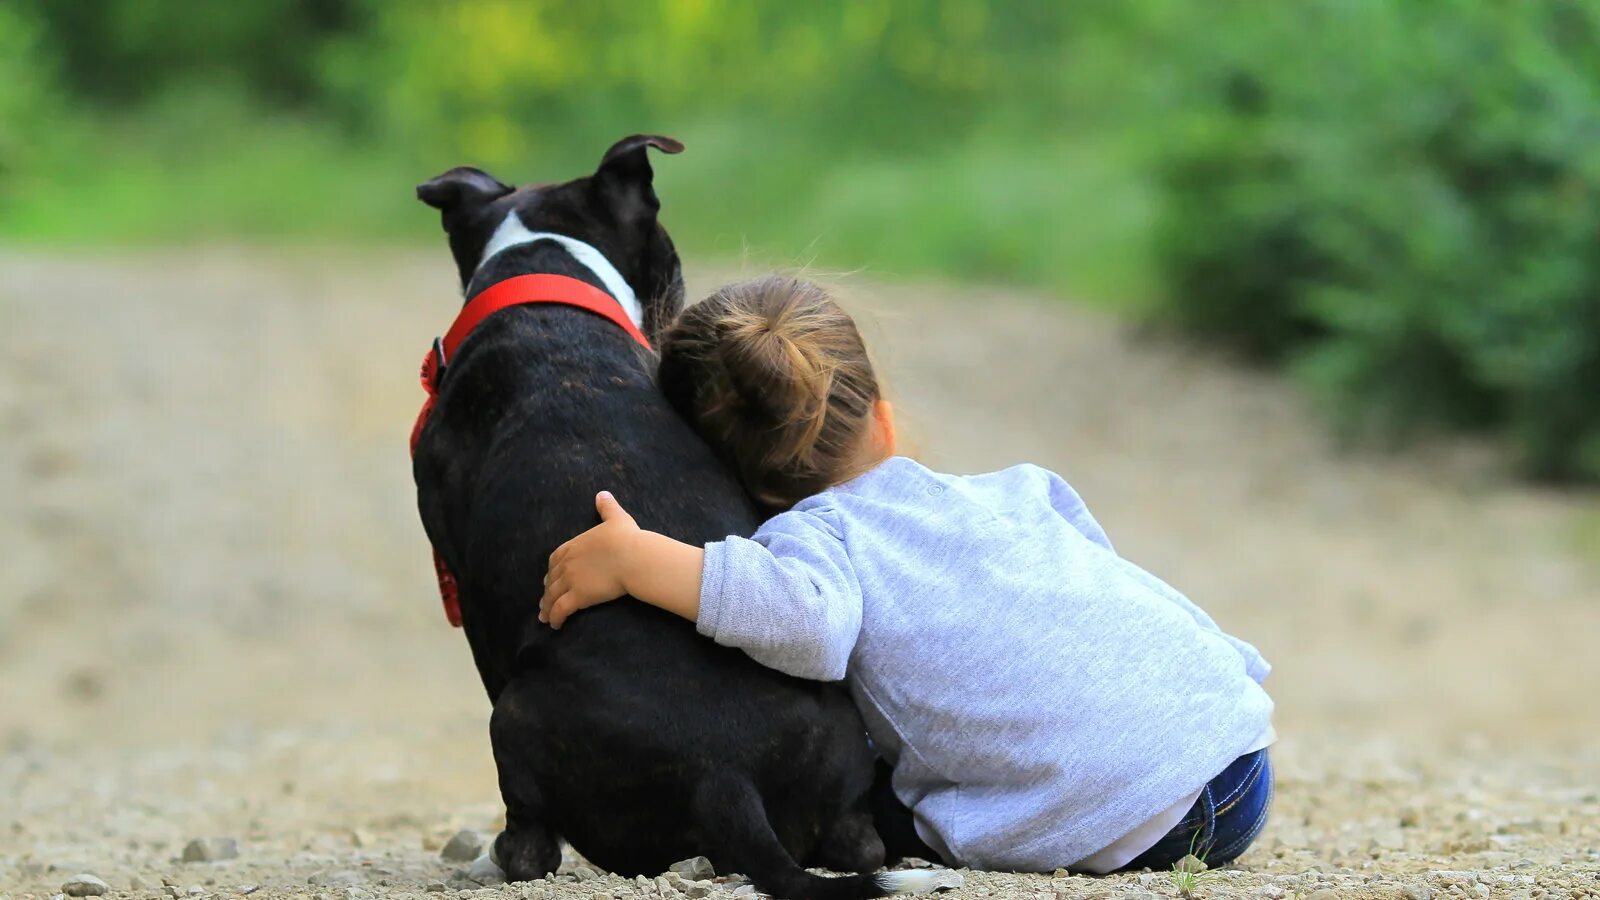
(920, 881)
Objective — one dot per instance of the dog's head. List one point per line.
(614, 210)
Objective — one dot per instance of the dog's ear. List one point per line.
(625, 181)
(461, 186)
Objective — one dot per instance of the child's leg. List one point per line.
(895, 823)
(1231, 811)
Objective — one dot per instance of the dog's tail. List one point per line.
(731, 810)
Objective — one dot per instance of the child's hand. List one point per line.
(589, 569)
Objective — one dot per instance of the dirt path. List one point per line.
(217, 618)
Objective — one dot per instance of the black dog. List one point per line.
(626, 733)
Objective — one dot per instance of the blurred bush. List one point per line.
(941, 137)
(1402, 203)
(1395, 200)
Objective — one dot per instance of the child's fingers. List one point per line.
(559, 555)
(548, 601)
(564, 606)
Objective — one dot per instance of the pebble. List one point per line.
(1323, 894)
(1418, 892)
(84, 885)
(249, 888)
(696, 869)
(601, 895)
(584, 873)
(170, 890)
(435, 887)
(664, 886)
(210, 850)
(695, 890)
(484, 871)
(744, 890)
(463, 847)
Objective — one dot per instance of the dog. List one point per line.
(626, 733)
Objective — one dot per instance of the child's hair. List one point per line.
(773, 373)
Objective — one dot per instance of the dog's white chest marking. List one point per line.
(513, 233)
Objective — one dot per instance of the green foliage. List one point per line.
(1402, 204)
(26, 94)
(1395, 200)
(904, 137)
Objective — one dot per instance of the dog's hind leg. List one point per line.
(851, 843)
(731, 819)
(528, 848)
(893, 822)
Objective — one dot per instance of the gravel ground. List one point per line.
(217, 619)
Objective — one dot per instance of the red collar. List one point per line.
(518, 291)
(524, 289)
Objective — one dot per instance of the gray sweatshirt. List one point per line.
(1038, 695)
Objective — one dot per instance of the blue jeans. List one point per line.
(1231, 811)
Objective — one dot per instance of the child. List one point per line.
(1044, 703)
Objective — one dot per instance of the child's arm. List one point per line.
(1072, 508)
(788, 597)
(618, 557)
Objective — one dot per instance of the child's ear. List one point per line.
(883, 421)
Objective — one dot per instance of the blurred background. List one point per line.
(1304, 298)
(1395, 201)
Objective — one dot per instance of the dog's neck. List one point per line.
(512, 233)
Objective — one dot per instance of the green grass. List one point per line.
(1070, 218)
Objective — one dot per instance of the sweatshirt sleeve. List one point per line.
(788, 596)
(1072, 508)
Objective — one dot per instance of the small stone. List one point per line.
(1190, 864)
(584, 873)
(696, 869)
(249, 888)
(1270, 892)
(1323, 894)
(696, 890)
(532, 892)
(360, 838)
(84, 885)
(744, 890)
(1479, 890)
(435, 887)
(196, 890)
(484, 871)
(663, 885)
(170, 890)
(1417, 892)
(601, 895)
(464, 847)
(210, 850)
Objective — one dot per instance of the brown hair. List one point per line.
(775, 376)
